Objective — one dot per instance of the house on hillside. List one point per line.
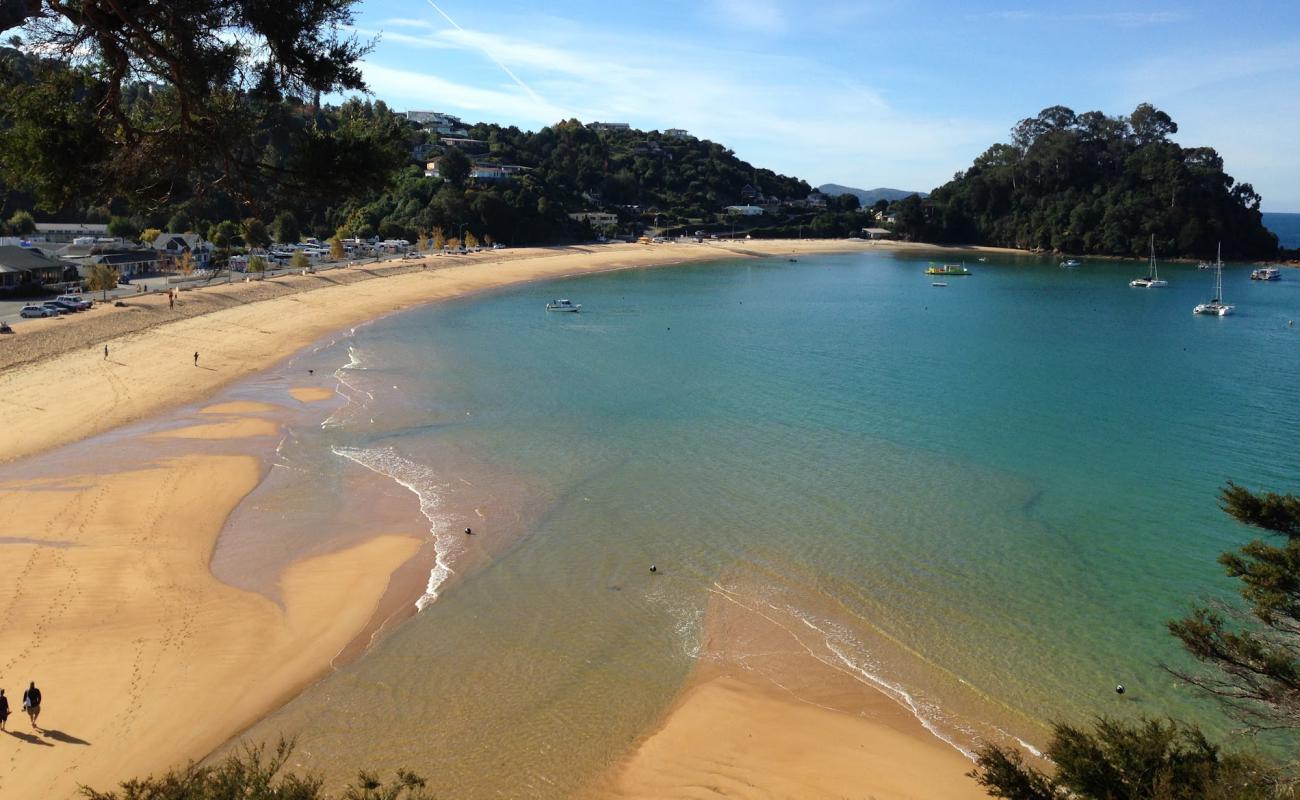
(605, 127)
(678, 133)
(744, 211)
(461, 143)
(598, 219)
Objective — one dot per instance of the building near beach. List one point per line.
(28, 268)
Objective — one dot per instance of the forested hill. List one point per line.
(1089, 183)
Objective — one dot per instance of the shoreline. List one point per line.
(790, 724)
(77, 394)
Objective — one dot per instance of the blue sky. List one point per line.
(899, 93)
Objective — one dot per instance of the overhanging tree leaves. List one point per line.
(158, 98)
(1254, 658)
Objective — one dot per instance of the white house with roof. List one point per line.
(172, 247)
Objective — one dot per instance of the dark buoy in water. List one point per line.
(311, 372)
(469, 532)
(1119, 688)
(653, 568)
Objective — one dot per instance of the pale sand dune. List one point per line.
(232, 429)
(144, 658)
(311, 394)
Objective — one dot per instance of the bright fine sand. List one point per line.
(146, 660)
(797, 726)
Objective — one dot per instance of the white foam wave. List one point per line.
(422, 482)
(837, 640)
(349, 388)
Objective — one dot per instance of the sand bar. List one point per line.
(144, 658)
(767, 714)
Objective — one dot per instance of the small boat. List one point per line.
(948, 269)
(1152, 280)
(1205, 265)
(1266, 274)
(1216, 307)
(982, 260)
(562, 305)
(1071, 263)
(939, 283)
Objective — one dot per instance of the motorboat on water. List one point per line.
(563, 305)
(1216, 307)
(1266, 274)
(1071, 263)
(939, 284)
(1152, 280)
(948, 269)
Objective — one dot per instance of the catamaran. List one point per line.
(1216, 307)
(1152, 280)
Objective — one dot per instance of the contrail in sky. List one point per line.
(488, 53)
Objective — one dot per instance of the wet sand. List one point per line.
(112, 609)
(766, 715)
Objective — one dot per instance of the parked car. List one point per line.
(498, 246)
(71, 306)
(81, 302)
(37, 311)
(57, 308)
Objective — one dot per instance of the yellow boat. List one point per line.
(948, 269)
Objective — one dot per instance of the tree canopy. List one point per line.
(1090, 183)
(152, 97)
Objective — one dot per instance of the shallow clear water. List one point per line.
(990, 496)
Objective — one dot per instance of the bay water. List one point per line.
(985, 498)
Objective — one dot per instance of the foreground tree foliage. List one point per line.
(151, 96)
(255, 774)
(1089, 183)
(1253, 657)
(1252, 666)
(1145, 760)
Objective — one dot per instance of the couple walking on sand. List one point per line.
(31, 704)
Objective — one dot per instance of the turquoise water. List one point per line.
(989, 497)
(1287, 228)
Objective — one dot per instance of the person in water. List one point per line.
(32, 703)
(4, 709)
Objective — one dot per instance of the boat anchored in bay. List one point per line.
(1266, 274)
(1152, 280)
(563, 305)
(1216, 307)
(953, 270)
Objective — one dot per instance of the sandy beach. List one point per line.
(112, 605)
(789, 724)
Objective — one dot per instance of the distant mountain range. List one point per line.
(867, 196)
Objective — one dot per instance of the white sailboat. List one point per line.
(1216, 307)
(1152, 280)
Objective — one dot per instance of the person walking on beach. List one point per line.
(32, 703)
(4, 709)
(196, 358)
(105, 352)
